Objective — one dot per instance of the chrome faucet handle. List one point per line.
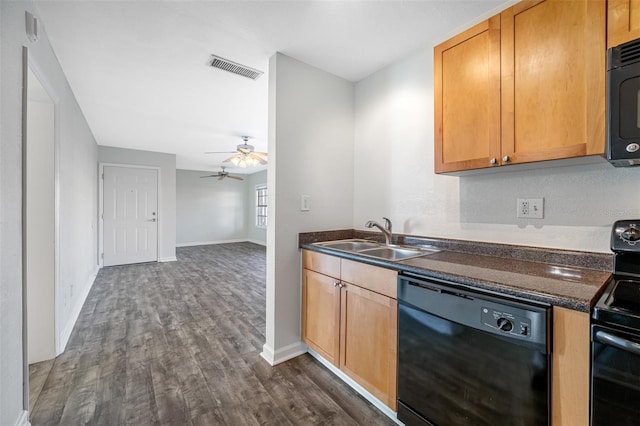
(387, 224)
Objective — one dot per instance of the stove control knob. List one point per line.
(631, 234)
(504, 324)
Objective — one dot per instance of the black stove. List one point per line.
(615, 335)
(619, 305)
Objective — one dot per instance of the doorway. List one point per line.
(39, 231)
(129, 214)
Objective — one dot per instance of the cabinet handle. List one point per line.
(505, 158)
(336, 283)
(341, 285)
(493, 160)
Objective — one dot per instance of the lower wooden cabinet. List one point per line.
(368, 341)
(570, 368)
(321, 314)
(350, 319)
(353, 324)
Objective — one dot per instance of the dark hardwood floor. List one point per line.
(178, 343)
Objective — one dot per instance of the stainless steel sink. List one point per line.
(350, 245)
(394, 253)
(377, 250)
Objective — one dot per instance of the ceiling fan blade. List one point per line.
(235, 177)
(216, 175)
(228, 159)
(220, 152)
(261, 160)
(264, 154)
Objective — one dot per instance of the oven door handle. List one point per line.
(618, 342)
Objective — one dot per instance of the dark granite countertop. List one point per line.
(568, 279)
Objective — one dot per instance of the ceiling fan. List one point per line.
(223, 174)
(244, 155)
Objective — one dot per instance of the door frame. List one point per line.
(101, 207)
(30, 63)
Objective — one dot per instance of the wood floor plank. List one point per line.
(140, 404)
(178, 343)
(38, 373)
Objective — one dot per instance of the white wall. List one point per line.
(394, 177)
(77, 159)
(209, 211)
(310, 152)
(255, 234)
(167, 194)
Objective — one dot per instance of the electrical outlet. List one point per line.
(530, 208)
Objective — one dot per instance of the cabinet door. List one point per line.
(368, 341)
(623, 21)
(321, 314)
(553, 80)
(467, 99)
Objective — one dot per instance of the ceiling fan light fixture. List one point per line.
(245, 149)
(235, 160)
(245, 156)
(221, 175)
(253, 160)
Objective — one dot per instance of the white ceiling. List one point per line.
(139, 68)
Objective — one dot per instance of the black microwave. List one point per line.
(623, 104)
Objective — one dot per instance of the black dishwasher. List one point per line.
(470, 358)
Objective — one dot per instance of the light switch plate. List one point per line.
(305, 203)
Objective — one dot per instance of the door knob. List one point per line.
(151, 220)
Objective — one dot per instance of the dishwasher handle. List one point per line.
(617, 342)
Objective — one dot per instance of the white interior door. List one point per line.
(130, 218)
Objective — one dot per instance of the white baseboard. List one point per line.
(75, 313)
(168, 259)
(283, 354)
(206, 243)
(362, 391)
(262, 243)
(23, 419)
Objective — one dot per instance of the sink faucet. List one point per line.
(386, 229)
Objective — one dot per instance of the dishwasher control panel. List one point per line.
(506, 322)
(512, 319)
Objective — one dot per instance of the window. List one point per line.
(261, 206)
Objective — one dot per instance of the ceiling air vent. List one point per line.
(227, 65)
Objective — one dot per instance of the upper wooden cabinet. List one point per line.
(553, 80)
(550, 87)
(467, 98)
(623, 21)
